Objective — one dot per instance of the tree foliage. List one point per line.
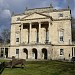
(6, 36)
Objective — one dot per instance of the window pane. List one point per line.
(17, 51)
(61, 38)
(60, 15)
(17, 39)
(61, 52)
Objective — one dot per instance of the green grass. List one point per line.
(43, 68)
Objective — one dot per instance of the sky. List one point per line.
(19, 6)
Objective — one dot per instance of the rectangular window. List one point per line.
(61, 52)
(60, 15)
(17, 51)
(17, 39)
(61, 36)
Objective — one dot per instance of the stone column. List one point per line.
(73, 51)
(20, 33)
(0, 52)
(30, 33)
(49, 29)
(39, 32)
(4, 53)
(39, 54)
(29, 54)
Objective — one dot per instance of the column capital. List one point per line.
(39, 22)
(30, 22)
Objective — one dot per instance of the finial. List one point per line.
(68, 7)
(13, 13)
(51, 5)
(68, 4)
(26, 8)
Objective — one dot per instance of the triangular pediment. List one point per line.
(35, 16)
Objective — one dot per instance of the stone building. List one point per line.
(42, 33)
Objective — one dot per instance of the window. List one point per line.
(60, 15)
(61, 52)
(61, 36)
(17, 51)
(18, 18)
(17, 39)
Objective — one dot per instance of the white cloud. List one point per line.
(5, 15)
(3, 5)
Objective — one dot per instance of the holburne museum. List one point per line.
(42, 33)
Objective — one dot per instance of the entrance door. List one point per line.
(25, 51)
(17, 53)
(6, 52)
(44, 53)
(34, 52)
(2, 52)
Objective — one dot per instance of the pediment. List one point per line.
(35, 16)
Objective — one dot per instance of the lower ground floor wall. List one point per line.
(42, 52)
(31, 52)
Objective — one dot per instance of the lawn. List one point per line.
(42, 68)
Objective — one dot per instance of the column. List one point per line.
(39, 32)
(39, 54)
(49, 29)
(30, 33)
(30, 54)
(20, 33)
(0, 52)
(4, 53)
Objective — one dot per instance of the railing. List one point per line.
(36, 43)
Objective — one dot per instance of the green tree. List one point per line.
(6, 36)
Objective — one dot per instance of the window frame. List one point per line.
(61, 36)
(17, 51)
(61, 51)
(60, 14)
(17, 39)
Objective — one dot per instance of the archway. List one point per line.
(44, 53)
(34, 53)
(26, 53)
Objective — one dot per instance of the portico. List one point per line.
(36, 32)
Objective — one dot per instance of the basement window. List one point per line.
(61, 51)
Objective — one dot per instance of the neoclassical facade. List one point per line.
(42, 33)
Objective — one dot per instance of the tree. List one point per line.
(1, 40)
(73, 29)
(6, 36)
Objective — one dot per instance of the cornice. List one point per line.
(16, 23)
(63, 45)
(61, 19)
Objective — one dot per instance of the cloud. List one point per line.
(3, 5)
(5, 14)
(18, 6)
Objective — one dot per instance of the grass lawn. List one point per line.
(42, 68)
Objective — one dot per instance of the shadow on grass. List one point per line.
(15, 67)
(1, 68)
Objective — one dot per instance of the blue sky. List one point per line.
(18, 6)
